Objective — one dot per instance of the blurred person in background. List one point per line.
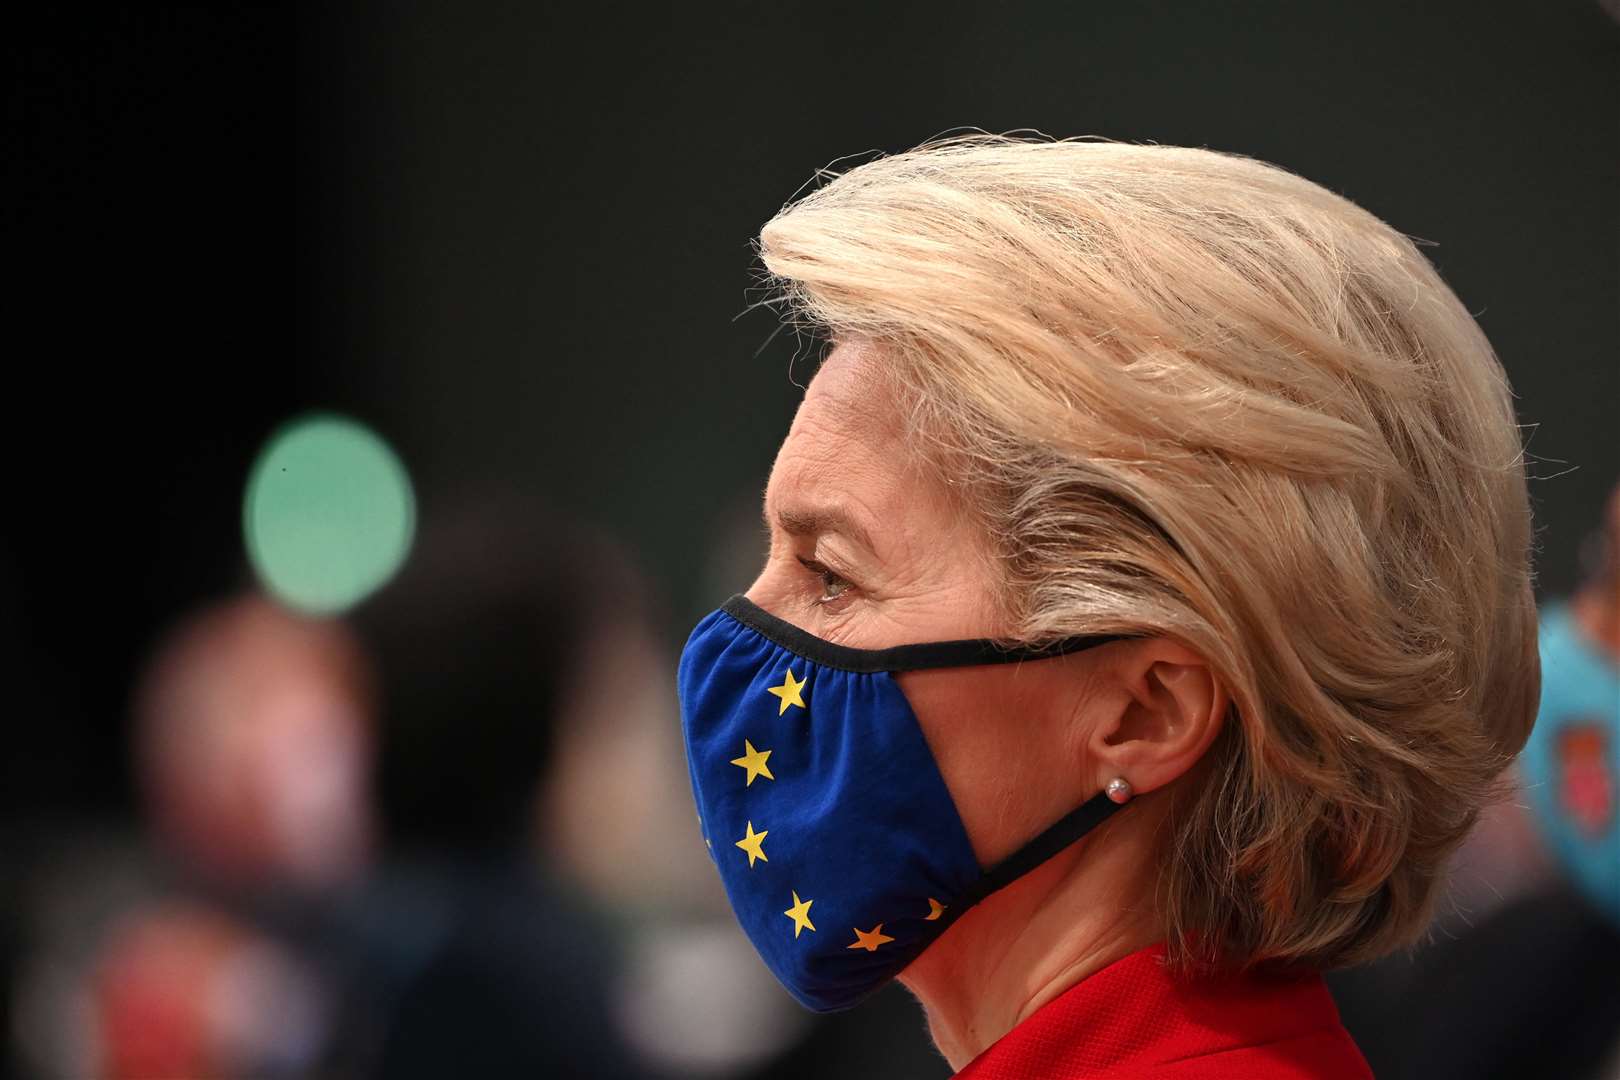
(206, 951)
(1528, 988)
(482, 950)
(1572, 763)
(1222, 464)
(255, 744)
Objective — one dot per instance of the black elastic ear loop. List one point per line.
(1070, 828)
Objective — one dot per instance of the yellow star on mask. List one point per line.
(935, 910)
(871, 939)
(754, 761)
(791, 692)
(800, 914)
(754, 844)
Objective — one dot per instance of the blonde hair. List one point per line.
(1194, 395)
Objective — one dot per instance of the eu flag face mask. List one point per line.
(841, 851)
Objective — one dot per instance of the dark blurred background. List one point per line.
(514, 240)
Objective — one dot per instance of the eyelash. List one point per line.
(828, 578)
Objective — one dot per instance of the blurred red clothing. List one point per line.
(1133, 1019)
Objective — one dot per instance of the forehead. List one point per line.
(848, 402)
(846, 454)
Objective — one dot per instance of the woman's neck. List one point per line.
(1025, 945)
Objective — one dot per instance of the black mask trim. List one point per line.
(937, 654)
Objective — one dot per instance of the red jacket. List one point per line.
(1133, 1020)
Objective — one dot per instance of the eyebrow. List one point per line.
(797, 522)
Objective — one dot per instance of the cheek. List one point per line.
(1001, 746)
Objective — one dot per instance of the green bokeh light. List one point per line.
(328, 515)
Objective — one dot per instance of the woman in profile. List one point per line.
(1146, 615)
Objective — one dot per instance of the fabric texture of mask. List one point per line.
(1571, 765)
(840, 848)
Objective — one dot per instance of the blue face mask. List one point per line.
(840, 849)
(1571, 765)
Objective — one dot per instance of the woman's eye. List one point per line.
(832, 586)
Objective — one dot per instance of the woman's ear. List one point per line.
(1162, 707)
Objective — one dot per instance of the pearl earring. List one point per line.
(1119, 790)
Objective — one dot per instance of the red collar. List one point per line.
(1134, 1019)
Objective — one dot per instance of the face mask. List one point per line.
(1571, 765)
(821, 804)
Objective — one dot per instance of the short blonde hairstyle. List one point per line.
(1190, 394)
